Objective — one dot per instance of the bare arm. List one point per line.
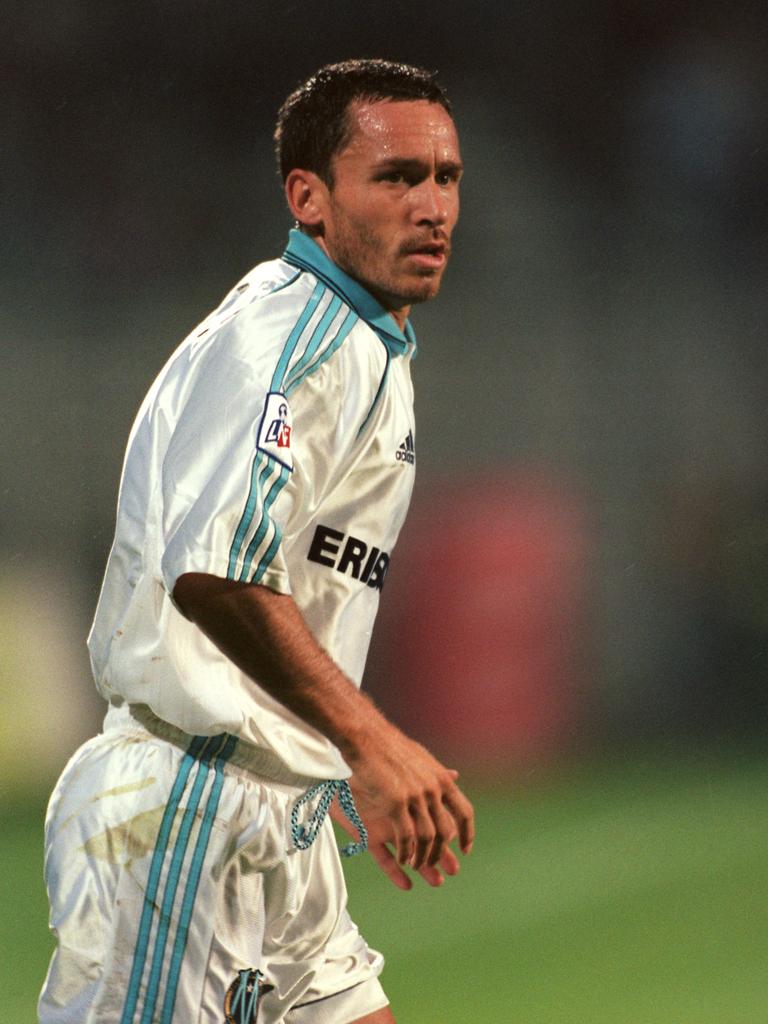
(404, 795)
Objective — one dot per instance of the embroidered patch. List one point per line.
(241, 1003)
(275, 429)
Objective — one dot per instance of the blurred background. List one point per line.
(577, 612)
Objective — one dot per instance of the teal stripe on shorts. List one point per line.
(193, 881)
(145, 925)
(174, 875)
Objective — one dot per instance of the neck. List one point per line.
(398, 313)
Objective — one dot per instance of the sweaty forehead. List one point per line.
(400, 128)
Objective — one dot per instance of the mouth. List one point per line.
(429, 256)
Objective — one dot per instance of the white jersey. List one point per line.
(276, 447)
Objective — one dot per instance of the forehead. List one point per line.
(408, 129)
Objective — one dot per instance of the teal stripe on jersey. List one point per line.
(193, 881)
(257, 480)
(317, 337)
(145, 925)
(349, 322)
(269, 554)
(277, 485)
(260, 461)
(293, 338)
(173, 877)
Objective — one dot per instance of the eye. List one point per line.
(394, 177)
(446, 177)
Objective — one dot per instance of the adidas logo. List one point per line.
(406, 452)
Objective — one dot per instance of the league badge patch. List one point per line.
(241, 1003)
(275, 429)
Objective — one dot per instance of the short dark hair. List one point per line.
(312, 124)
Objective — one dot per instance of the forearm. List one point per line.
(404, 794)
(265, 635)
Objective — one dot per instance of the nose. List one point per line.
(431, 204)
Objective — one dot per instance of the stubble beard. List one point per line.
(363, 255)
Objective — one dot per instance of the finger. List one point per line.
(390, 867)
(445, 829)
(432, 876)
(405, 842)
(464, 816)
(449, 862)
(425, 833)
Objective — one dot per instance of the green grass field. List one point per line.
(630, 894)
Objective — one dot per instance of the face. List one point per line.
(388, 218)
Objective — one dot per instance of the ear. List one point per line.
(307, 197)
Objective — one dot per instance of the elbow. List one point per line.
(195, 593)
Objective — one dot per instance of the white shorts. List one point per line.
(172, 880)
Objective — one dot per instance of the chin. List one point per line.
(428, 290)
(407, 294)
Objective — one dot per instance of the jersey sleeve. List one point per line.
(221, 478)
(247, 466)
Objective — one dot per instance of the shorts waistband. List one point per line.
(255, 760)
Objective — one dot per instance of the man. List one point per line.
(191, 866)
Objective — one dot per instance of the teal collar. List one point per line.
(303, 252)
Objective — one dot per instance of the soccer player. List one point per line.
(191, 864)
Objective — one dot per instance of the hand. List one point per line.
(382, 853)
(410, 805)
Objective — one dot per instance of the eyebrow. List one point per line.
(415, 165)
